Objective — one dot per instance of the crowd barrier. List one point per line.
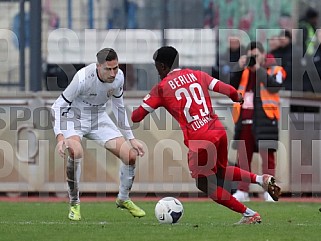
(29, 162)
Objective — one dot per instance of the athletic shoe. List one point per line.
(267, 197)
(74, 212)
(256, 218)
(241, 196)
(271, 187)
(131, 207)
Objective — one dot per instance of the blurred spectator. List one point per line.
(53, 16)
(308, 25)
(284, 57)
(307, 41)
(16, 29)
(131, 12)
(317, 56)
(286, 21)
(123, 14)
(231, 56)
(116, 13)
(315, 72)
(287, 57)
(208, 14)
(273, 45)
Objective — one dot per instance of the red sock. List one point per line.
(237, 174)
(223, 197)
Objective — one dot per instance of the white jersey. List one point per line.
(86, 97)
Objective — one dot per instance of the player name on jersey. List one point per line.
(182, 80)
(197, 124)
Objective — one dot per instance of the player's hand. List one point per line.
(61, 147)
(240, 99)
(138, 147)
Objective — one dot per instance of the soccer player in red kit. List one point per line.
(184, 93)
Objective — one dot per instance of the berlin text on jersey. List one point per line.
(181, 80)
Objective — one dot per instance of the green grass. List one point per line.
(201, 221)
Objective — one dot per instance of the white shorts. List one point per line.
(100, 129)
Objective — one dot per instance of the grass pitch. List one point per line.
(201, 221)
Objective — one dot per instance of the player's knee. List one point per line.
(75, 149)
(75, 152)
(78, 155)
(132, 157)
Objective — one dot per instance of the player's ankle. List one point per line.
(259, 180)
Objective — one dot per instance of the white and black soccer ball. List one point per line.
(169, 210)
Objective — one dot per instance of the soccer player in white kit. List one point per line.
(80, 111)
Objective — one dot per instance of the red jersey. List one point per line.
(184, 94)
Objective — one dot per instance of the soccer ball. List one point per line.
(169, 210)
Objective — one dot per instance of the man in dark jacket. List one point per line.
(256, 128)
(287, 56)
(227, 60)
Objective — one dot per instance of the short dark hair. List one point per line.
(255, 45)
(168, 56)
(106, 54)
(311, 13)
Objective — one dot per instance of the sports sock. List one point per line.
(259, 179)
(223, 197)
(126, 176)
(73, 177)
(248, 212)
(233, 173)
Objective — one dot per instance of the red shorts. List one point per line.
(207, 157)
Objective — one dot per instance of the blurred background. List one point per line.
(28, 28)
